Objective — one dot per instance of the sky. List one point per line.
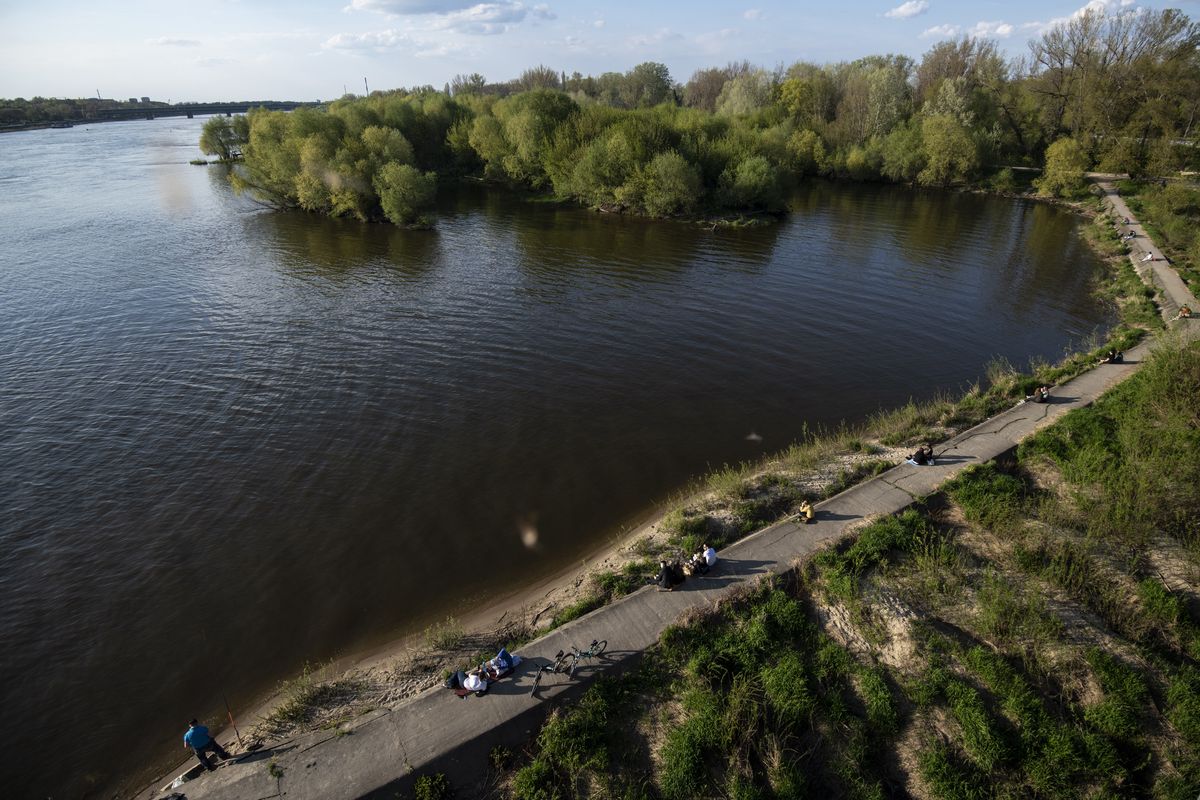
(218, 50)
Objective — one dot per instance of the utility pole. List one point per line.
(97, 94)
(366, 91)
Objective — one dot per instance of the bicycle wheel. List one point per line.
(574, 659)
(536, 680)
(600, 646)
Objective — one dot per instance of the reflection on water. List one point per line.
(234, 440)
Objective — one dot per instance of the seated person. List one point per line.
(703, 561)
(668, 576)
(1112, 357)
(501, 665)
(923, 456)
(1040, 395)
(1185, 312)
(806, 512)
(1148, 257)
(479, 679)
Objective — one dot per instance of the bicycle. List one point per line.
(594, 649)
(559, 664)
(567, 662)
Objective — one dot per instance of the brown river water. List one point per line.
(233, 440)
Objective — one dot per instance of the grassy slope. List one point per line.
(1034, 630)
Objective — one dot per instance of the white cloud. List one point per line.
(715, 42)
(911, 8)
(406, 7)
(486, 19)
(214, 61)
(598, 23)
(1097, 6)
(658, 37)
(372, 40)
(390, 39)
(753, 13)
(942, 31)
(167, 41)
(999, 30)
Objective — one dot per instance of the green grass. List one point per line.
(1011, 612)
(987, 496)
(445, 635)
(951, 777)
(431, 787)
(1126, 694)
(305, 697)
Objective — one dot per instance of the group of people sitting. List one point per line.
(671, 574)
(1040, 395)
(923, 457)
(1113, 356)
(482, 677)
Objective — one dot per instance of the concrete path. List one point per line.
(384, 751)
(1156, 272)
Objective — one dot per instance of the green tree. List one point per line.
(1066, 163)
(904, 152)
(670, 185)
(808, 152)
(220, 137)
(950, 153)
(745, 94)
(404, 191)
(647, 84)
(752, 183)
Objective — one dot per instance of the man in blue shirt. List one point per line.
(201, 743)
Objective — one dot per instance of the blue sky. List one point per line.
(313, 49)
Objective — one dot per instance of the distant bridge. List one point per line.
(189, 110)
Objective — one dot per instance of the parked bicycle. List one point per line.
(594, 649)
(567, 662)
(561, 663)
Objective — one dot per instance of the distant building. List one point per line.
(145, 99)
(133, 99)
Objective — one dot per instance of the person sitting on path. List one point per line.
(668, 576)
(704, 560)
(1040, 395)
(1185, 312)
(1113, 356)
(480, 679)
(806, 512)
(923, 457)
(201, 743)
(1148, 257)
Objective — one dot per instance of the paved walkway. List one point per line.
(385, 750)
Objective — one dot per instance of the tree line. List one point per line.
(1114, 91)
(36, 110)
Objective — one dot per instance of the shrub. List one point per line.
(404, 191)
(670, 185)
(431, 787)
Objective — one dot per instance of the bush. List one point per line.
(1066, 162)
(404, 191)
(670, 185)
(431, 787)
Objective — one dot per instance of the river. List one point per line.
(233, 440)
